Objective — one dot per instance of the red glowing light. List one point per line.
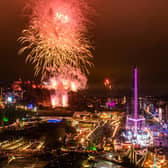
(33, 86)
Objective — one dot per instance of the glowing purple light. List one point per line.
(111, 104)
(135, 93)
(135, 97)
(136, 120)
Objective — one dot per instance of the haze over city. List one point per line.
(125, 33)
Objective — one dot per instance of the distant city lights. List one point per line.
(54, 121)
(10, 99)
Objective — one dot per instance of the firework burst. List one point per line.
(71, 79)
(63, 82)
(57, 36)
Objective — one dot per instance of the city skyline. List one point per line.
(133, 33)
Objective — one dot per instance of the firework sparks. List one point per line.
(63, 82)
(66, 79)
(56, 36)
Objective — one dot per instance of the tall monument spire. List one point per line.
(135, 122)
(135, 96)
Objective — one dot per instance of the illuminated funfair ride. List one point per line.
(136, 133)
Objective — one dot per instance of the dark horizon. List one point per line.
(126, 33)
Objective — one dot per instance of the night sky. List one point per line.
(126, 33)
